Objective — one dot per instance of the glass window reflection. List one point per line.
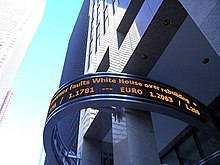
(188, 152)
(209, 146)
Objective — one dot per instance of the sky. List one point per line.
(21, 135)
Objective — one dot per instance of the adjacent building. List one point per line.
(18, 23)
(172, 42)
(4, 107)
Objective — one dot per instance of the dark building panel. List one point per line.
(76, 52)
(156, 38)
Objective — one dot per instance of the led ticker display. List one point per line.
(104, 91)
(126, 86)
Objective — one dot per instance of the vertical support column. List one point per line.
(135, 143)
(91, 152)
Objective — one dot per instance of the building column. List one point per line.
(134, 142)
(91, 152)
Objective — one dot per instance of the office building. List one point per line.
(4, 107)
(18, 23)
(140, 85)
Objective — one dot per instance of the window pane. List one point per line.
(188, 151)
(97, 30)
(91, 33)
(106, 13)
(106, 20)
(170, 159)
(209, 145)
(97, 37)
(114, 5)
(91, 47)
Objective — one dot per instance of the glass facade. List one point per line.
(198, 148)
(209, 145)
(188, 152)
